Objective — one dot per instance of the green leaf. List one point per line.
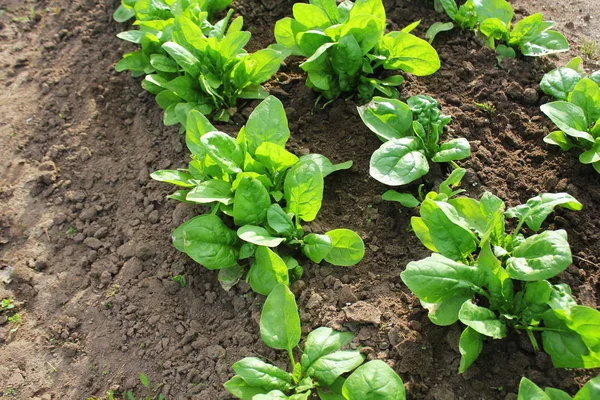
(210, 191)
(326, 166)
(586, 95)
(469, 345)
(257, 373)
(131, 36)
(332, 392)
(144, 379)
(493, 29)
(267, 271)
(455, 149)
(372, 8)
(176, 177)
(559, 138)
(557, 394)
(540, 256)
(560, 82)
(445, 312)
(538, 292)
(251, 202)
(323, 341)
(535, 211)
(224, 151)
(123, 14)
(279, 320)
(258, 236)
(436, 28)
(548, 42)
(240, 389)
(530, 391)
(286, 30)
(267, 123)
(411, 54)
(500, 9)
(592, 155)
(279, 221)
(589, 391)
(229, 277)
(423, 233)
(316, 246)
(263, 64)
(303, 190)
(438, 278)
(569, 118)
(406, 199)
(327, 368)
(346, 56)
(163, 63)
(387, 118)
(135, 61)
(186, 60)
(372, 381)
(399, 162)
(310, 15)
(348, 248)
(274, 156)
(208, 241)
(482, 320)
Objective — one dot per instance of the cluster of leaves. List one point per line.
(321, 367)
(150, 9)
(345, 44)
(577, 111)
(409, 144)
(532, 35)
(493, 281)
(189, 63)
(268, 192)
(530, 391)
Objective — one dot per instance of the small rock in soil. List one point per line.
(346, 296)
(93, 243)
(363, 313)
(131, 269)
(171, 287)
(530, 96)
(126, 250)
(314, 301)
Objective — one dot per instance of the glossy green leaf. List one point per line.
(176, 177)
(482, 320)
(210, 191)
(589, 391)
(560, 82)
(399, 162)
(184, 58)
(251, 202)
(547, 42)
(321, 342)
(470, 346)
(327, 368)
(303, 190)
(279, 221)
(267, 123)
(267, 272)
(586, 95)
(387, 118)
(223, 150)
(406, 199)
(559, 138)
(445, 312)
(326, 166)
(374, 381)
(569, 118)
(274, 156)
(347, 248)
(257, 373)
(452, 150)
(240, 389)
(411, 54)
(530, 391)
(230, 276)
(279, 320)
(259, 236)
(208, 241)
(316, 246)
(500, 9)
(535, 211)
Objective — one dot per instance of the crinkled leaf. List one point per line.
(535, 211)
(560, 82)
(251, 202)
(455, 149)
(399, 162)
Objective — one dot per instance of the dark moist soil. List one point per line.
(84, 232)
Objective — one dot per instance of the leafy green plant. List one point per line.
(321, 366)
(409, 144)
(267, 191)
(493, 281)
(530, 391)
(532, 35)
(148, 10)
(345, 44)
(190, 63)
(6, 304)
(577, 114)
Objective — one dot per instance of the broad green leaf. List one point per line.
(316, 246)
(323, 341)
(347, 248)
(123, 14)
(274, 156)
(452, 150)
(303, 190)
(422, 231)
(365, 28)
(482, 320)
(445, 312)
(257, 373)
(346, 56)
(399, 162)
(259, 236)
(538, 292)
(176, 177)
(279, 320)
(569, 118)
(450, 7)
(163, 63)
(500, 9)
(530, 391)
(589, 391)
(411, 54)
(208, 241)
(438, 278)
(279, 221)
(559, 138)
(326, 166)
(592, 155)
(135, 61)
(267, 123)
(327, 368)
(469, 345)
(184, 58)
(251, 202)
(240, 389)
(374, 381)
(406, 199)
(557, 394)
(560, 82)
(267, 272)
(131, 36)
(310, 16)
(230, 276)
(330, 8)
(535, 211)
(263, 64)
(449, 234)
(586, 95)
(209, 191)
(494, 29)
(436, 28)
(540, 256)
(547, 42)
(286, 30)
(470, 211)
(387, 118)
(223, 149)
(373, 8)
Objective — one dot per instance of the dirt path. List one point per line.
(84, 232)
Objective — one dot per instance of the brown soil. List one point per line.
(84, 232)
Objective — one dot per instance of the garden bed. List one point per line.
(85, 232)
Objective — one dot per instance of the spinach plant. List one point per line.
(345, 44)
(493, 281)
(530, 391)
(577, 113)
(190, 63)
(321, 364)
(409, 144)
(532, 35)
(266, 191)
(146, 10)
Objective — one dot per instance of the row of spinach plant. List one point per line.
(490, 280)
